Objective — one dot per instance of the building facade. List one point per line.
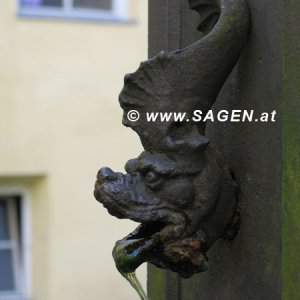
(62, 67)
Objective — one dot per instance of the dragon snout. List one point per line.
(106, 174)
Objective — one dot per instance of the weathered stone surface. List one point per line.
(180, 188)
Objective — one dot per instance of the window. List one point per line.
(12, 252)
(109, 10)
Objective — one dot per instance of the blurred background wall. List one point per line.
(59, 122)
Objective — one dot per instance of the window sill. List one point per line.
(110, 18)
(11, 296)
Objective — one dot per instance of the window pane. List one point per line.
(37, 3)
(52, 2)
(4, 233)
(6, 271)
(93, 4)
(31, 2)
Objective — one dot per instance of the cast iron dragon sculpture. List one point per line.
(179, 188)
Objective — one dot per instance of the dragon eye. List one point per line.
(151, 176)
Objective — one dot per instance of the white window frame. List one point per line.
(23, 283)
(118, 13)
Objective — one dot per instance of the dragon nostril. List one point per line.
(106, 174)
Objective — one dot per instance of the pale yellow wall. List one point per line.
(60, 119)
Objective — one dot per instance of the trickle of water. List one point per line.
(131, 277)
(128, 256)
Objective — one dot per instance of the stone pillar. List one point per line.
(263, 261)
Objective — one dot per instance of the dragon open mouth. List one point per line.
(138, 247)
(146, 230)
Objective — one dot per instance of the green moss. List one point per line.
(291, 210)
(155, 283)
(291, 133)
